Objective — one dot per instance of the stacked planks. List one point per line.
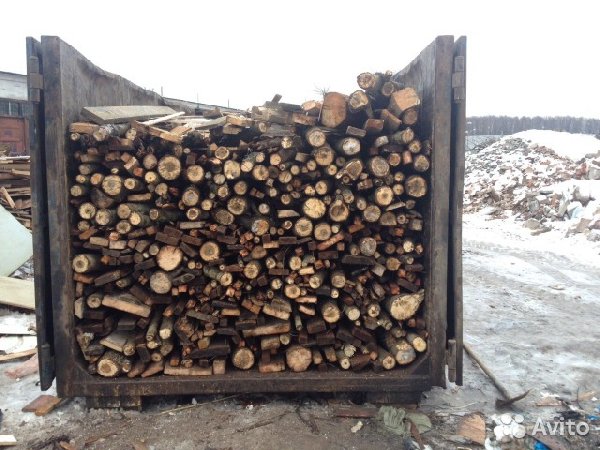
(15, 190)
(288, 237)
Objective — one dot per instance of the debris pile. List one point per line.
(15, 190)
(536, 184)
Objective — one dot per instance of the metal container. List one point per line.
(61, 81)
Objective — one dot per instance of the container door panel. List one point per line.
(39, 211)
(457, 173)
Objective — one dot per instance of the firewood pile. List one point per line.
(15, 190)
(287, 237)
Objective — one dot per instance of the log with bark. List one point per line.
(287, 238)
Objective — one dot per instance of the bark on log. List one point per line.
(333, 111)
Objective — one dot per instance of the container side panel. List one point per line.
(333, 380)
(430, 75)
(39, 212)
(457, 174)
(71, 82)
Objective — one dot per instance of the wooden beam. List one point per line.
(119, 114)
(16, 292)
(164, 118)
(18, 355)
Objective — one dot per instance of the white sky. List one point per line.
(524, 57)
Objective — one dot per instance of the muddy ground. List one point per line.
(530, 312)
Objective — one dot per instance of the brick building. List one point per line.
(14, 108)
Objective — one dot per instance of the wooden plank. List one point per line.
(117, 114)
(164, 118)
(18, 355)
(16, 292)
(205, 124)
(7, 197)
(42, 405)
(7, 440)
(154, 131)
(356, 412)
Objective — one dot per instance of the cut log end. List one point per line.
(243, 358)
(298, 358)
(404, 306)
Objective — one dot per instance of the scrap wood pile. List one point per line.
(286, 237)
(15, 191)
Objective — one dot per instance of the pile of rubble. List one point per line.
(533, 183)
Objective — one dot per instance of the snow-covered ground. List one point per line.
(532, 260)
(568, 145)
(482, 227)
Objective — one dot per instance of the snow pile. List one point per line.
(540, 177)
(568, 145)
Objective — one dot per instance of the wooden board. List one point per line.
(117, 114)
(16, 292)
(18, 355)
(7, 440)
(42, 405)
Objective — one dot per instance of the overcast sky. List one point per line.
(524, 57)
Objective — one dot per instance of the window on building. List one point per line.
(10, 108)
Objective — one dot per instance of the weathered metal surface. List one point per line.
(39, 212)
(334, 380)
(430, 74)
(70, 83)
(457, 181)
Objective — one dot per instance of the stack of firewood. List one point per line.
(286, 237)
(15, 191)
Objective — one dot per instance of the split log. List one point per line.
(333, 111)
(404, 306)
(403, 100)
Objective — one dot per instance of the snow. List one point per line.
(568, 145)
(482, 227)
(532, 187)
